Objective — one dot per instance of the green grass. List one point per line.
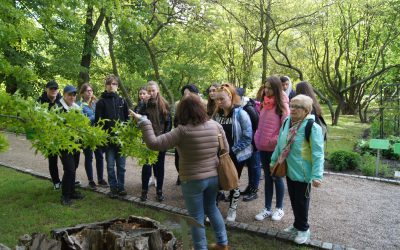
(346, 134)
(28, 205)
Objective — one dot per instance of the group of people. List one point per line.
(258, 133)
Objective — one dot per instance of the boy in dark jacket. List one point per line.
(114, 108)
(52, 97)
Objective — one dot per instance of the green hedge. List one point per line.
(344, 160)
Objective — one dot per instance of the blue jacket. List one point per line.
(242, 133)
(305, 161)
(88, 111)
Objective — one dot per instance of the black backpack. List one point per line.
(307, 131)
(251, 110)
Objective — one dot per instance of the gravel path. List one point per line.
(360, 213)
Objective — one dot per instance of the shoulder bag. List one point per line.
(227, 174)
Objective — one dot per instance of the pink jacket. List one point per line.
(270, 122)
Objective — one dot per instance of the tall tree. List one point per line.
(91, 30)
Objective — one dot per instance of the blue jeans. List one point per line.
(200, 198)
(265, 157)
(114, 158)
(98, 154)
(254, 168)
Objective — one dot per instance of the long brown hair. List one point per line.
(83, 89)
(191, 110)
(305, 88)
(162, 104)
(276, 86)
(210, 102)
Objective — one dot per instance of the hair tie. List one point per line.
(227, 91)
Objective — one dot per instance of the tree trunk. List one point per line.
(125, 93)
(90, 34)
(154, 63)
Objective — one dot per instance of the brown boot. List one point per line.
(215, 246)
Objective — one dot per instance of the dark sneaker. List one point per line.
(92, 185)
(77, 184)
(143, 197)
(122, 193)
(57, 186)
(252, 195)
(221, 196)
(77, 196)
(160, 197)
(102, 183)
(66, 201)
(113, 193)
(246, 191)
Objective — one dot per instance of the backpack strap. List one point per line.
(307, 131)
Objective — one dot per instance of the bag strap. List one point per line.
(307, 130)
(221, 142)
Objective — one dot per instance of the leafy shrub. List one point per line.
(345, 160)
(368, 165)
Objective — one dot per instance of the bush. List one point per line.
(344, 160)
(368, 165)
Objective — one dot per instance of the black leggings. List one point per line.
(158, 169)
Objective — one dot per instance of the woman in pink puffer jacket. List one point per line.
(273, 112)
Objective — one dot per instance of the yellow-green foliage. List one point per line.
(52, 131)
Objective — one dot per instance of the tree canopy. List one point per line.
(346, 49)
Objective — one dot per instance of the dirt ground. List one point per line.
(360, 213)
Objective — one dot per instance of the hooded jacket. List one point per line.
(305, 161)
(112, 107)
(242, 133)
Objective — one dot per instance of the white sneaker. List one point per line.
(277, 214)
(207, 219)
(263, 214)
(231, 215)
(302, 237)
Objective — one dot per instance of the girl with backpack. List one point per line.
(274, 109)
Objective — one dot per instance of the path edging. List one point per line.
(238, 226)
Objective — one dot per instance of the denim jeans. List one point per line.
(114, 158)
(254, 168)
(265, 157)
(200, 198)
(98, 154)
(158, 170)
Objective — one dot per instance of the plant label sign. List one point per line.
(379, 144)
(396, 148)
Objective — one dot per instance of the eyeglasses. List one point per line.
(53, 88)
(294, 106)
(89, 90)
(112, 83)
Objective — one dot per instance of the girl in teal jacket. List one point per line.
(305, 162)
